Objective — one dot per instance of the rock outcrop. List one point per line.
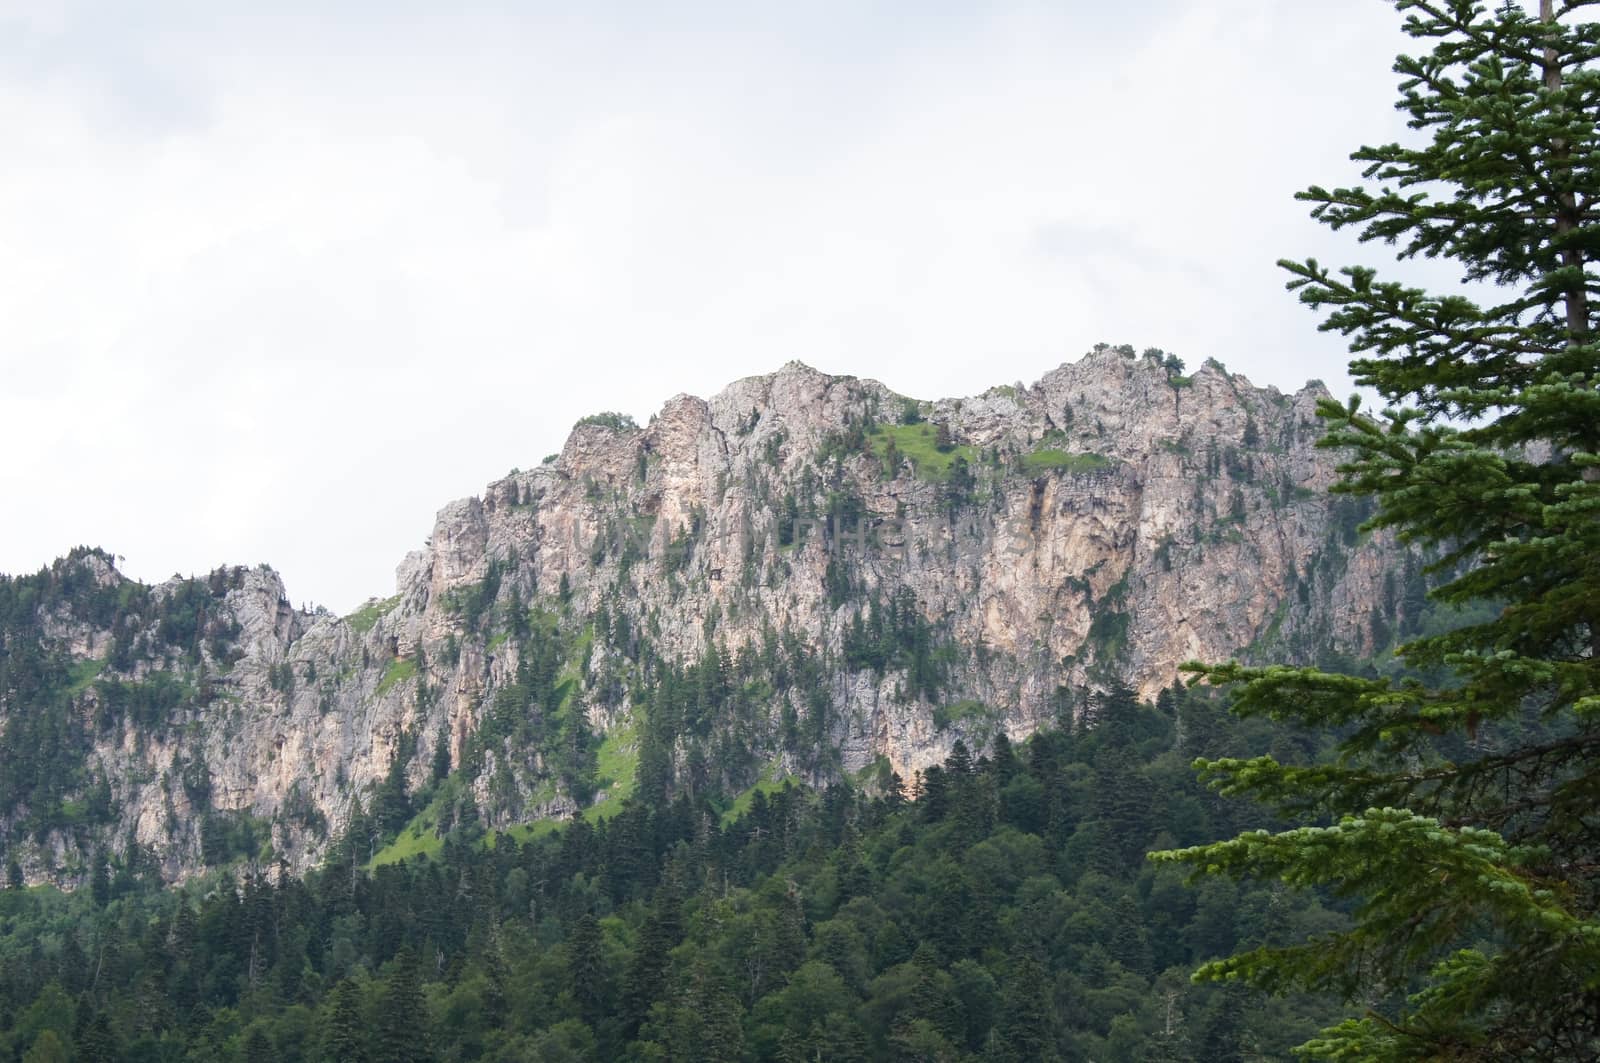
(942, 570)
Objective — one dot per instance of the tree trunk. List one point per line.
(1567, 215)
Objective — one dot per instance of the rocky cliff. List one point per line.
(807, 575)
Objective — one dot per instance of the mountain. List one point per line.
(806, 576)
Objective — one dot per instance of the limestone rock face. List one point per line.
(1103, 525)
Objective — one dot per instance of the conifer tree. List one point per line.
(345, 1040)
(704, 1023)
(401, 1034)
(257, 1048)
(1003, 760)
(440, 768)
(586, 968)
(959, 763)
(100, 880)
(645, 979)
(47, 1048)
(931, 998)
(1121, 806)
(1023, 1031)
(1460, 817)
(96, 1043)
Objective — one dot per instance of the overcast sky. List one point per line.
(276, 286)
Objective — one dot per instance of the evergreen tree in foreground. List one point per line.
(1464, 815)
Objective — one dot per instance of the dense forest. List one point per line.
(1008, 913)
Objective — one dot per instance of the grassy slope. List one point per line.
(401, 670)
(916, 441)
(1049, 458)
(769, 783)
(364, 618)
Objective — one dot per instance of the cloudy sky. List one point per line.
(277, 285)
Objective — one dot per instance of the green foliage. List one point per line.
(896, 635)
(617, 422)
(536, 714)
(1108, 628)
(151, 703)
(226, 836)
(769, 784)
(969, 927)
(55, 706)
(1463, 831)
(48, 1047)
(475, 602)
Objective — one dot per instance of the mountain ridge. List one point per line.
(849, 579)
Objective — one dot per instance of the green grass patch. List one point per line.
(400, 670)
(769, 784)
(572, 671)
(421, 835)
(918, 442)
(524, 833)
(564, 691)
(616, 771)
(957, 712)
(879, 767)
(415, 838)
(618, 757)
(1051, 459)
(410, 843)
(363, 619)
(83, 673)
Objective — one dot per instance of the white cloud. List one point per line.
(278, 287)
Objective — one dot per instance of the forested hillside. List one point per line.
(1007, 914)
